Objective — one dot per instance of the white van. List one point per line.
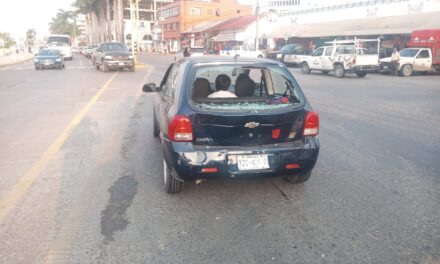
(61, 43)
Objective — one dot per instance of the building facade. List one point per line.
(139, 22)
(183, 16)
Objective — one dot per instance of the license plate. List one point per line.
(252, 162)
(121, 64)
(385, 67)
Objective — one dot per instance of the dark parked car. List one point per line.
(265, 128)
(49, 58)
(289, 54)
(90, 50)
(111, 56)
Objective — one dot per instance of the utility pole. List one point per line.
(134, 8)
(257, 30)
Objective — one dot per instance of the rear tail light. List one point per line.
(292, 166)
(180, 129)
(354, 60)
(311, 125)
(209, 170)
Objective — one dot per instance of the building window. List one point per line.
(194, 11)
(209, 12)
(177, 26)
(126, 14)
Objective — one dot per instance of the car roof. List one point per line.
(226, 59)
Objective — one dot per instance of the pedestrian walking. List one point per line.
(395, 58)
(186, 52)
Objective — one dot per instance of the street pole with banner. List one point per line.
(134, 7)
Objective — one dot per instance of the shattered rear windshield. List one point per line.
(243, 87)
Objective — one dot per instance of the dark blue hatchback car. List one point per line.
(233, 118)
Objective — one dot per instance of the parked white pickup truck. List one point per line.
(341, 59)
(242, 51)
(412, 60)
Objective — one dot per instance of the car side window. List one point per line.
(318, 52)
(170, 84)
(165, 77)
(298, 50)
(424, 54)
(328, 51)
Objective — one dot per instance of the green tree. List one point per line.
(63, 23)
(30, 36)
(8, 41)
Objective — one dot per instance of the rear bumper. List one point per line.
(187, 161)
(366, 68)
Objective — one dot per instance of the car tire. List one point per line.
(260, 56)
(156, 130)
(361, 74)
(339, 71)
(305, 68)
(298, 178)
(132, 68)
(406, 70)
(170, 183)
(325, 72)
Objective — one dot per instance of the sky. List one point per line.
(17, 16)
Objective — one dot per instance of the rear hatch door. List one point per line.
(247, 129)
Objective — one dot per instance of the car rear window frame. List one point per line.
(190, 77)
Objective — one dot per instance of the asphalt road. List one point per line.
(81, 177)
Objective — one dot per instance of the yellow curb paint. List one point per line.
(8, 202)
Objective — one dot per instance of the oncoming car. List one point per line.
(264, 127)
(49, 58)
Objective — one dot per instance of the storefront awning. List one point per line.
(228, 36)
(201, 27)
(360, 27)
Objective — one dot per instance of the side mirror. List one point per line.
(149, 88)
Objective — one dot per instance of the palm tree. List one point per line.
(100, 15)
(30, 36)
(61, 23)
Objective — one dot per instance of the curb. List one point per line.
(15, 62)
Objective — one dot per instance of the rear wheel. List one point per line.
(132, 68)
(339, 71)
(406, 70)
(299, 178)
(305, 68)
(171, 184)
(260, 56)
(361, 74)
(37, 68)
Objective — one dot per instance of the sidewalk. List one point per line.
(15, 58)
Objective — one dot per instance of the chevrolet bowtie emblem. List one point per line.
(251, 125)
